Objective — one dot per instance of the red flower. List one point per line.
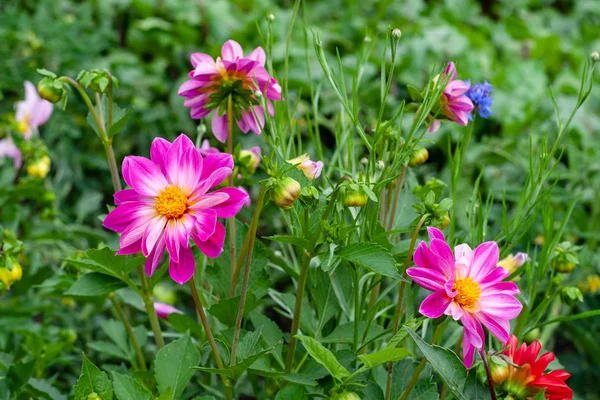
(526, 381)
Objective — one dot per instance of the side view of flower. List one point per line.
(32, 112)
(169, 203)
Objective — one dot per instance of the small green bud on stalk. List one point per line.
(595, 56)
(532, 335)
(50, 89)
(418, 156)
(286, 192)
(355, 198)
(271, 17)
(345, 395)
(396, 33)
(570, 296)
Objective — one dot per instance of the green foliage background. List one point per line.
(522, 47)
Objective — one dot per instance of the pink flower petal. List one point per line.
(427, 278)
(213, 247)
(183, 164)
(155, 256)
(158, 151)
(206, 221)
(230, 207)
(497, 326)
(501, 305)
(219, 126)
(485, 259)
(127, 195)
(231, 51)
(135, 247)
(435, 304)
(125, 214)
(143, 176)
(214, 179)
(164, 310)
(153, 233)
(196, 58)
(258, 54)
(435, 233)
(182, 271)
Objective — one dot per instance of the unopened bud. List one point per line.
(396, 33)
(595, 56)
(418, 156)
(380, 165)
(270, 17)
(499, 372)
(532, 335)
(250, 158)
(50, 89)
(39, 168)
(345, 395)
(367, 39)
(364, 161)
(355, 198)
(445, 221)
(286, 192)
(17, 272)
(571, 295)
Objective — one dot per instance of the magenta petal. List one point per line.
(446, 259)
(233, 204)
(125, 196)
(124, 215)
(485, 259)
(468, 352)
(155, 256)
(143, 176)
(231, 51)
(497, 326)
(435, 233)
(427, 278)
(473, 330)
(434, 126)
(497, 275)
(135, 247)
(500, 305)
(164, 310)
(213, 179)
(135, 231)
(219, 126)
(196, 58)
(182, 271)
(213, 162)
(213, 247)
(258, 54)
(158, 151)
(206, 221)
(183, 164)
(153, 233)
(424, 258)
(435, 304)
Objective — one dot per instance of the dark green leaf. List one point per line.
(92, 380)
(95, 284)
(371, 256)
(173, 366)
(127, 388)
(324, 357)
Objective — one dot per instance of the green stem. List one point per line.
(251, 237)
(149, 304)
(231, 222)
(415, 376)
(488, 373)
(402, 287)
(209, 335)
(112, 165)
(127, 325)
(87, 101)
(459, 156)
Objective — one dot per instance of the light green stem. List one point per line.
(129, 330)
(149, 304)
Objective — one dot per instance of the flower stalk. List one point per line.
(231, 221)
(150, 310)
(134, 342)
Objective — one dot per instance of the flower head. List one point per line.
(311, 169)
(214, 81)
(169, 202)
(164, 310)
(466, 285)
(454, 104)
(32, 112)
(9, 149)
(511, 263)
(529, 379)
(479, 93)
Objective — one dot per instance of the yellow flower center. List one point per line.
(468, 292)
(23, 126)
(171, 202)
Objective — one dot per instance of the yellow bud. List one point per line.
(355, 198)
(6, 277)
(445, 221)
(499, 373)
(39, 168)
(17, 272)
(418, 156)
(286, 192)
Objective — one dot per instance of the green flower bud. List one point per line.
(565, 257)
(355, 198)
(532, 335)
(570, 296)
(418, 156)
(595, 56)
(96, 79)
(50, 89)
(286, 192)
(345, 395)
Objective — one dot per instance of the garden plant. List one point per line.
(297, 200)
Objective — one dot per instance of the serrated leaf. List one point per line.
(127, 388)
(370, 256)
(226, 309)
(173, 366)
(296, 241)
(399, 337)
(93, 380)
(95, 284)
(271, 334)
(105, 261)
(293, 392)
(324, 357)
(373, 360)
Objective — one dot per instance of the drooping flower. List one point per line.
(467, 286)
(454, 105)
(479, 93)
(9, 149)
(527, 380)
(243, 78)
(32, 112)
(164, 310)
(169, 202)
(311, 169)
(511, 263)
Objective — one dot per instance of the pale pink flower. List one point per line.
(214, 80)
(311, 169)
(32, 112)
(467, 286)
(164, 310)
(9, 149)
(254, 156)
(169, 203)
(456, 106)
(206, 149)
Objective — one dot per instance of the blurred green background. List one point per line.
(522, 47)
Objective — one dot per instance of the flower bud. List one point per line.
(595, 56)
(364, 161)
(396, 33)
(39, 168)
(271, 17)
(571, 295)
(532, 335)
(355, 198)
(565, 267)
(380, 165)
(511, 263)
(498, 371)
(445, 221)
(250, 158)
(311, 169)
(50, 89)
(367, 39)
(164, 293)
(16, 273)
(418, 156)
(286, 192)
(345, 395)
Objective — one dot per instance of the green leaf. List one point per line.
(296, 241)
(183, 323)
(108, 348)
(402, 333)
(414, 93)
(173, 366)
(226, 309)
(293, 392)
(324, 357)
(92, 380)
(373, 360)
(449, 366)
(127, 388)
(105, 261)
(45, 390)
(120, 118)
(371, 256)
(345, 333)
(95, 284)
(45, 72)
(271, 334)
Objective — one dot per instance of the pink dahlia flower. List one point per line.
(164, 310)
(311, 169)
(169, 203)
(32, 112)
(9, 149)
(213, 81)
(467, 286)
(455, 105)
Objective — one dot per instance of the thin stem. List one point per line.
(458, 159)
(398, 189)
(297, 310)
(127, 325)
(488, 373)
(356, 306)
(231, 222)
(112, 165)
(209, 335)
(415, 377)
(402, 287)
(88, 102)
(251, 237)
(149, 303)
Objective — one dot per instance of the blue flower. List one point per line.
(479, 93)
